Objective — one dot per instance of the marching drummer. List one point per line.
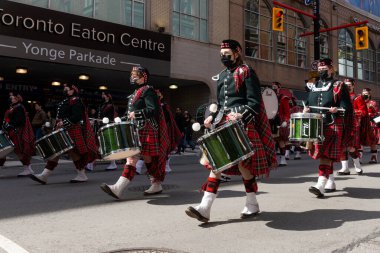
(353, 128)
(72, 116)
(106, 110)
(331, 94)
(17, 126)
(239, 97)
(283, 115)
(145, 110)
(373, 130)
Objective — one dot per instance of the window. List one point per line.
(78, 7)
(345, 54)
(126, 12)
(291, 48)
(258, 31)
(366, 63)
(378, 64)
(190, 19)
(39, 3)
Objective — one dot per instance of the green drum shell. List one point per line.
(306, 127)
(118, 141)
(226, 146)
(6, 145)
(54, 144)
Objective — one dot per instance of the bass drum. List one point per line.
(270, 102)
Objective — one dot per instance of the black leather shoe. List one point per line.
(191, 212)
(108, 190)
(360, 172)
(247, 216)
(316, 192)
(329, 190)
(343, 173)
(34, 178)
(282, 165)
(297, 158)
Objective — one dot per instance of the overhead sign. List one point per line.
(39, 24)
(58, 53)
(314, 65)
(308, 2)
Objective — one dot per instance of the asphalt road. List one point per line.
(63, 217)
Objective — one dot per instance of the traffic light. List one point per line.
(278, 19)
(361, 37)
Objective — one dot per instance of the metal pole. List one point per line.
(317, 39)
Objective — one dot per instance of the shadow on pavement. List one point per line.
(304, 221)
(298, 180)
(361, 193)
(183, 198)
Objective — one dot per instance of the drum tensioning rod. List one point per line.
(326, 108)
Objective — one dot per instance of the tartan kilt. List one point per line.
(351, 133)
(256, 164)
(367, 134)
(21, 145)
(149, 139)
(76, 134)
(284, 133)
(331, 148)
(375, 131)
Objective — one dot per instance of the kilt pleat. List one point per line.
(331, 147)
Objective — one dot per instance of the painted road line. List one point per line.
(10, 246)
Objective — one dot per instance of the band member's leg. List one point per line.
(298, 152)
(344, 161)
(25, 160)
(251, 207)
(355, 155)
(373, 154)
(152, 168)
(287, 151)
(330, 184)
(282, 154)
(112, 165)
(324, 171)
(80, 162)
(49, 167)
(203, 210)
(116, 190)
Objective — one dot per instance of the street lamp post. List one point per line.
(317, 38)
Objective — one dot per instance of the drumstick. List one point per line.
(326, 108)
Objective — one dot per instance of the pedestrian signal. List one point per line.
(278, 19)
(361, 37)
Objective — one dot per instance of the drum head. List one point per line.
(270, 102)
(5, 151)
(119, 155)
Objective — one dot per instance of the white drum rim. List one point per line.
(308, 115)
(108, 156)
(52, 133)
(58, 153)
(305, 139)
(114, 124)
(218, 129)
(11, 147)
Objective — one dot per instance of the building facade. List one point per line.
(186, 35)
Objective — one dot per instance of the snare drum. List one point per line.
(226, 146)
(6, 145)
(118, 141)
(54, 144)
(306, 127)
